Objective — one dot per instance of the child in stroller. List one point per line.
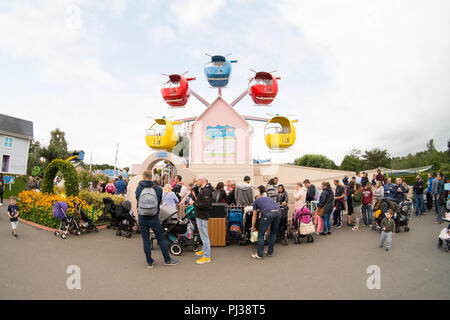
(401, 213)
(235, 226)
(179, 233)
(283, 229)
(85, 224)
(302, 225)
(125, 219)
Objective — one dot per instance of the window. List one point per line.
(8, 142)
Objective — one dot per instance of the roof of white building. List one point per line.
(17, 126)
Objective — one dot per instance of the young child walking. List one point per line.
(387, 227)
(13, 213)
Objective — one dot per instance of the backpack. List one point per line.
(316, 195)
(148, 203)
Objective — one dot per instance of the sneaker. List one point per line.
(339, 226)
(172, 262)
(387, 248)
(151, 265)
(323, 233)
(267, 254)
(203, 260)
(199, 253)
(355, 229)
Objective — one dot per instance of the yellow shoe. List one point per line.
(199, 253)
(203, 260)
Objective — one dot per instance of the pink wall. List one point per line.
(220, 113)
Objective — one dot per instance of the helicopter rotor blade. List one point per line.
(273, 71)
(253, 70)
(184, 73)
(228, 55)
(165, 74)
(208, 55)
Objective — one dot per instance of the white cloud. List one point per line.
(194, 13)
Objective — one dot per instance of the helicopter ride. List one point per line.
(218, 70)
(263, 87)
(279, 133)
(176, 90)
(161, 135)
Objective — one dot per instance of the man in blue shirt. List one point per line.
(121, 186)
(270, 217)
(390, 190)
(429, 195)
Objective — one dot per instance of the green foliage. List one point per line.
(85, 177)
(95, 199)
(352, 163)
(315, 161)
(375, 158)
(17, 187)
(68, 172)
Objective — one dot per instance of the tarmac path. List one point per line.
(332, 267)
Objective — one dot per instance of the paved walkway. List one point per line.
(333, 267)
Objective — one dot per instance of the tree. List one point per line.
(315, 161)
(375, 158)
(34, 157)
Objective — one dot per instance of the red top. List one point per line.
(367, 196)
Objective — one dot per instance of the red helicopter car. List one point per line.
(176, 91)
(263, 87)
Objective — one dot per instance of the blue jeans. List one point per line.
(272, 219)
(420, 205)
(145, 223)
(202, 226)
(326, 222)
(367, 214)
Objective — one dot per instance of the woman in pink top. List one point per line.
(299, 196)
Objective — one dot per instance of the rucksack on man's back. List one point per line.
(148, 202)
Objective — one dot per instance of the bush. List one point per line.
(69, 174)
(16, 188)
(95, 199)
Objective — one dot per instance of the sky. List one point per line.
(356, 74)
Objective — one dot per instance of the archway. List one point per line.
(69, 174)
(179, 163)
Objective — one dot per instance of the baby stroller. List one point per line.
(401, 216)
(235, 226)
(125, 219)
(110, 208)
(302, 225)
(248, 215)
(444, 236)
(68, 223)
(179, 233)
(283, 229)
(85, 224)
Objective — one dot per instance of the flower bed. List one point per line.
(38, 207)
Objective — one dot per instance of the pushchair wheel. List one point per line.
(108, 226)
(118, 233)
(285, 242)
(195, 248)
(440, 242)
(63, 236)
(128, 235)
(78, 232)
(57, 233)
(176, 249)
(96, 230)
(374, 227)
(296, 239)
(406, 229)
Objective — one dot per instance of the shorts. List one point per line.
(14, 225)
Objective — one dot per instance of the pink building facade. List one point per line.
(220, 135)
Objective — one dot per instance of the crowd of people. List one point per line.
(355, 197)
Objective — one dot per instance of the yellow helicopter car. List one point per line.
(161, 135)
(279, 133)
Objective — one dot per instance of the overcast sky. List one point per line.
(357, 74)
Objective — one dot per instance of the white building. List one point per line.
(15, 138)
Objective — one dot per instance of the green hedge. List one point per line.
(69, 174)
(411, 179)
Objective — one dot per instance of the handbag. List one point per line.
(320, 211)
(254, 236)
(307, 228)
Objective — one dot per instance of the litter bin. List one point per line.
(217, 225)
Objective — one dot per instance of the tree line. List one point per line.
(357, 160)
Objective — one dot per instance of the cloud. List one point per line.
(194, 13)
